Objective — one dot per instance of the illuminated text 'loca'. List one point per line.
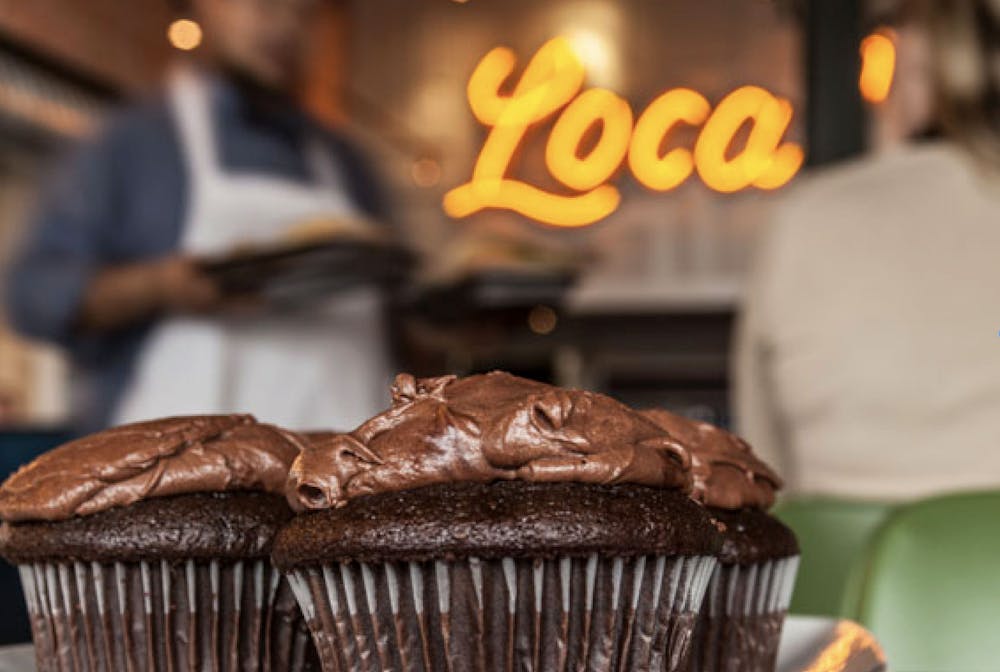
(552, 83)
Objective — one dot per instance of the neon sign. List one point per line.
(878, 64)
(552, 81)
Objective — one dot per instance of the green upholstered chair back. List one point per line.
(833, 535)
(931, 589)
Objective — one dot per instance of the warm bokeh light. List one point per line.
(763, 158)
(425, 172)
(562, 151)
(597, 54)
(184, 34)
(878, 64)
(542, 320)
(663, 114)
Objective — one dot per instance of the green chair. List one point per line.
(931, 589)
(833, 535)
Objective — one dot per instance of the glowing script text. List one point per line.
(552, 81)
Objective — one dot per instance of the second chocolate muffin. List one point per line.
(496, 523)
(750, 590)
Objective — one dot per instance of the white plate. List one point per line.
(20, 658)
(815, 644)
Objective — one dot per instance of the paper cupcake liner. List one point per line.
(591, 613)
(161, 616)
(740, 624)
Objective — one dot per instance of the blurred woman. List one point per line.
(868, 357)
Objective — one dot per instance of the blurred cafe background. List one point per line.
(780, 216)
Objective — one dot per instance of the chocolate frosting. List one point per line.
(487, 428)
(726, 473)
(158, 458)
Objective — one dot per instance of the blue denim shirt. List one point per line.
(121, 197)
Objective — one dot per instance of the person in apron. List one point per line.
(109, 269)
(325, 367)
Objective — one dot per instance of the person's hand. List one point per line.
(184, 288)
(120, 296)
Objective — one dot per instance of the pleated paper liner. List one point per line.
(592, 613)
(164, 617)
(740, 625)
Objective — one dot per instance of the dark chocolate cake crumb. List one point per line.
(239, 525)
(750, 536)
(501, 519)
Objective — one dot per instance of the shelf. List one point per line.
(666, 295)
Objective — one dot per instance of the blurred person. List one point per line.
(868, 354)
(109, 269)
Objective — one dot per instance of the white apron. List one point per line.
(322, 368)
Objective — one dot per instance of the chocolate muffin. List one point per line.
(496, 523)
(146, 547)
(751, 587)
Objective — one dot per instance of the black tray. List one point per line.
(307, 271)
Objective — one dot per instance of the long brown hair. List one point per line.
(965, 35)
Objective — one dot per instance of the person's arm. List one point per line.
(119, 296)
(758, 416)
(61, 286)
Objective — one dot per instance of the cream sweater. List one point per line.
(868, 353)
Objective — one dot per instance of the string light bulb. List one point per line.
(426, 172)
(184, 34)
(542, 320)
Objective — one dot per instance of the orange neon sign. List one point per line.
(552, 81)
(878, 65)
